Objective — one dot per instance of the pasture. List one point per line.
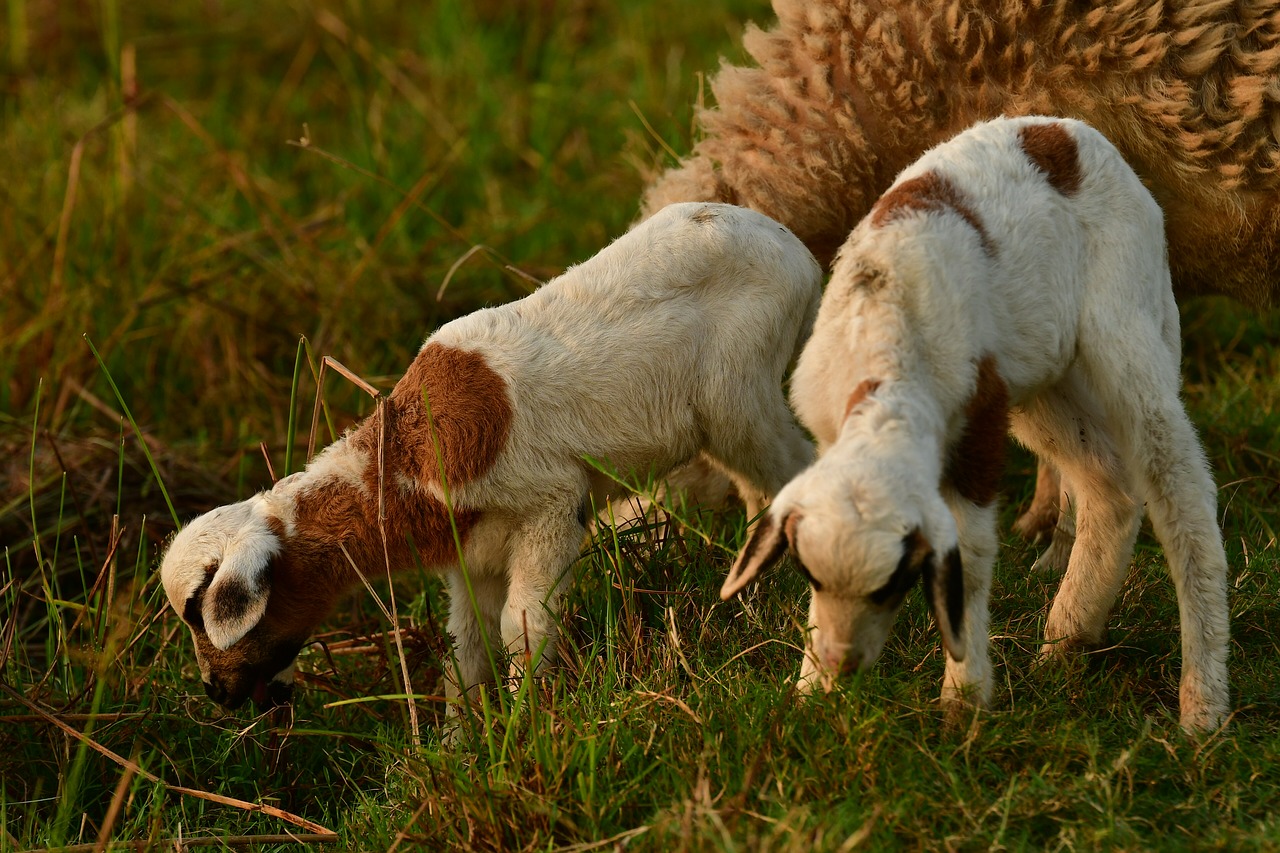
(200, 201)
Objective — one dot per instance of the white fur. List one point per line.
(1076, 307)
(670, 343)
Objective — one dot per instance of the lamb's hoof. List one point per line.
(959, 715)
(1054, 559)
(1202, 715)
(452, 733)
(1070, 648)
(1037, 523)
(1204, 722)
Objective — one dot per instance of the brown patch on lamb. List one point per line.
(977, 460)
(1054, 151)
(928, 193)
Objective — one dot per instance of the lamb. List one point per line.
(670, 342)
(849, 92)
(1014, 276)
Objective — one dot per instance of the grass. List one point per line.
(444, 156)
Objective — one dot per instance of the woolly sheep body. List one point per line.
(640, 357)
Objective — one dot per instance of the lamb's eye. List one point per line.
(191, 611)
(903, 578)
(802, 569)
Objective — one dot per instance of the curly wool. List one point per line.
(849, 92)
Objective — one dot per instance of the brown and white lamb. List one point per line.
(479, 465)
(1012, 278)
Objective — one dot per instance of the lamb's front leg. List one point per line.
(474, 612)
(544, 550)
(967, 682)
(813, 675)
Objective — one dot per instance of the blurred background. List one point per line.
(192, 187)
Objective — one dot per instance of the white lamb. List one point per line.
(1015, 275)
(670, 342)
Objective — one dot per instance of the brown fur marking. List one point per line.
(312, 570)
(928, 193)
(977, 459)
(865, 387)
(472, 416)
(469, 408)
(1055, 153)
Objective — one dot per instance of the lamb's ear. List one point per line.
(763, 550)
(237, 597)
(944, 587)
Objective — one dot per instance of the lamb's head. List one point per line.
(218, 573)
(862, 541)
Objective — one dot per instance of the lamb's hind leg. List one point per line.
(1169, 464)
(1065, 426)
(1055, 557)
(1041, 517)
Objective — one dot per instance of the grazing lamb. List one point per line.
(847, 93)
(671, 342)
(1014, 276)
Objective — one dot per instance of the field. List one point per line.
(198, 201)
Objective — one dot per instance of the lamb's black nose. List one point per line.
(277, 694)
(219, 693)
(216, 692)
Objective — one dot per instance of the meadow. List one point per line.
(199, 201)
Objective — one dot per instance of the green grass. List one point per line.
(163, 213)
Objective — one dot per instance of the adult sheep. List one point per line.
(849, 92)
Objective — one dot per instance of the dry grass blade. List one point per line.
(272, 811)
(393, 616)
(386, 558)
(672, 700)
(403, 834)
(212, 841)
(388, 615)
(616, 841)
(116, 532)
(113, 811)
(331, 363)
(64, 221)
(266, 457)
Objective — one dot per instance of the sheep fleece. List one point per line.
(846, 94)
